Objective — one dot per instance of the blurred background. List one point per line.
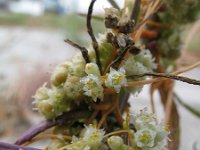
(32, 34)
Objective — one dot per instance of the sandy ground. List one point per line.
(25, 48)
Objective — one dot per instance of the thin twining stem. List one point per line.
(83, 50)
(150, 81)
(91, 33)
(143, 82)
(169, 76)
(187, 68)
(44, 125)
(7, 146)
(120, 58)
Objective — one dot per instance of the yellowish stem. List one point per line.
(47, 136)
(116, 132)
(197, 64)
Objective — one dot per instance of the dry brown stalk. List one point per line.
(108, 111)
(169, 102)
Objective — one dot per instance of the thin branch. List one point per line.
(152, 8)
(44, 125)
(122, 55)
(7, 146)
(135, 10)
(91, 33)
(170, 76)
(143, 22)
(150, 81)
(120, 58)
(187, 68)
(83, 50)
(114, 4)
(99, 18)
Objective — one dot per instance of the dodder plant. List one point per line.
(89, 94)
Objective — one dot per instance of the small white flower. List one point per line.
(92, 86)
(116, 79)
(78, 65)
(56, 94)
(144, 119)
(41, 93)
(145, 57)
(145, 137)
(92, 133)
(73, 87)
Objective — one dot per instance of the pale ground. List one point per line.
(25, 48)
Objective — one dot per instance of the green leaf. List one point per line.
(186, 106)
(114, 4)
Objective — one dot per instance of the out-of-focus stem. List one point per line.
(6, 146)
(44, 125)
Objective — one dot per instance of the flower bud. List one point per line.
(59, 75)
(115, 142)
(92, 68)
(41, 93)
(56, 94)
(73, 88)
(46, 109)
(78, 65)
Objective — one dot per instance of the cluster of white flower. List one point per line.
(79, 83)
(93, 83)
(147, 135)
(78, 80)
(50, 102)
(150, 135)
(91, 139)
(139, 64)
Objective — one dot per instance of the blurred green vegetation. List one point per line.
(73, 25)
